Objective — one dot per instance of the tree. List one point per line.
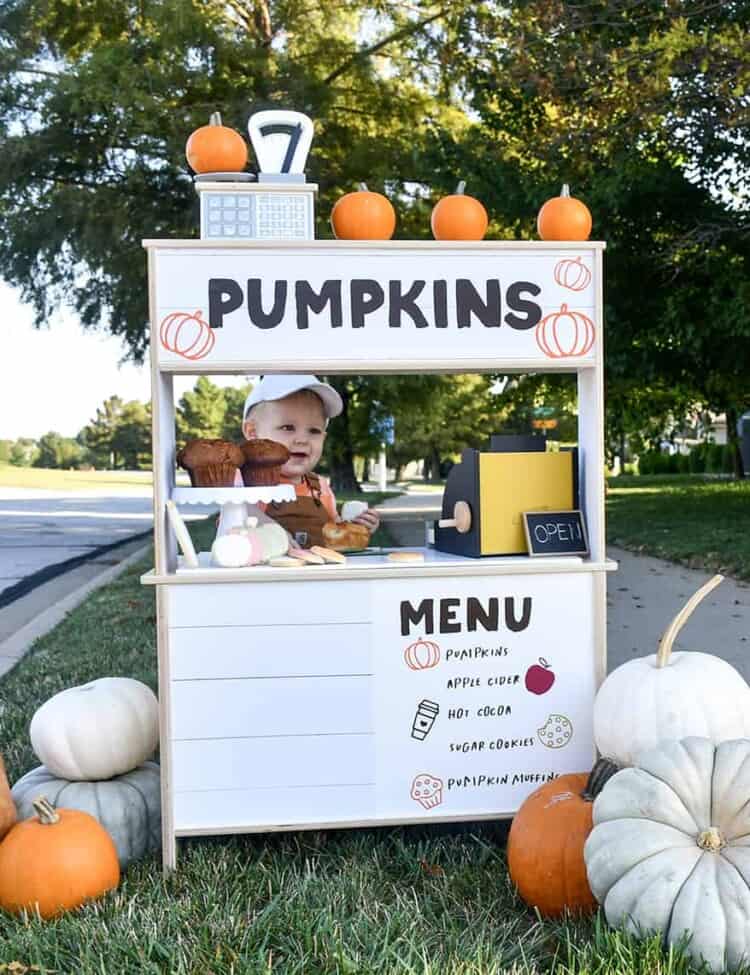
(234, 400)
(201, 412)
(23, 452)
(132, 436)
(56, 451)
(98, 436)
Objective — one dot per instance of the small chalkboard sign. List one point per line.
(555, 533)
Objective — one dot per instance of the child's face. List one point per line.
(297, 421)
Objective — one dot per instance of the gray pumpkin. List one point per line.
(128, 806)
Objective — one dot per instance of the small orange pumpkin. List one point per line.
(56, 861)
(565, 334)
(572, 274)
(546, 840)
(187, 335)
(363, 215)
(7, 806)
(458, 217)
(564, 218)
(215, 148)
(422, 655)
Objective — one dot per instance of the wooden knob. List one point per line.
(461, 519)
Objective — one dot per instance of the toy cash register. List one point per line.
(487, 493)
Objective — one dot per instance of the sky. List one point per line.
(55, 378)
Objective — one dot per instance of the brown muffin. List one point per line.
(210, 463)
(262, 462)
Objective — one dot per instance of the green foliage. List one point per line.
(120, 435)
(23, 452)
(56, 451)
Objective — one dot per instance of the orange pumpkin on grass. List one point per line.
(546, 840)
(215, 148)
(363, 215)
(564, 218)
(56, 861)
(458, 217)
(7, 806)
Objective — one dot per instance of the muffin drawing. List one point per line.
(427, 790)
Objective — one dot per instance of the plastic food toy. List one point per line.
(546, 839)
(458, 217)
(215, 148)
(670, 695)
(668, 853)
(236, 549)
(55, 862)
(127, 806)
(344, 535)
(274, 541)
(98, 730)
(7, 806)
(564, 218)
(363, 215)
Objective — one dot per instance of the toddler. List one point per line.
(294, 411)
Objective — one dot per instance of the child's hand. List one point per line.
(369, 518)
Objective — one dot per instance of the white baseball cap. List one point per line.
(279, 386)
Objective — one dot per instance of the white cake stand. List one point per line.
(233, 499)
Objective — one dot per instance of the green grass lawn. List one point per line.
(58, 480)
(412, 900)
(699, 522)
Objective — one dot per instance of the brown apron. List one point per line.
(303, 514)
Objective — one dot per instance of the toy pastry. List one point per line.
(236, 549)
(273, 539)
(328, 554)
(345, 534)
(351, 509)
(210, 463)
(262, 461)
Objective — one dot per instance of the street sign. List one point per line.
(544, 424)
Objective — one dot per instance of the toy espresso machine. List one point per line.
(487, 493)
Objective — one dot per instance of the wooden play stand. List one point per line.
(375, 692)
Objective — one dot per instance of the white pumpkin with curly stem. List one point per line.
(670, 696)
(670, 849)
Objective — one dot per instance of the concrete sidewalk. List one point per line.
(643, 596)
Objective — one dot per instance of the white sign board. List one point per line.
(410, 305)
(484, 690)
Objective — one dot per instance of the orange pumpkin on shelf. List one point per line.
(459, 217)
(546, 840)
(186, 335)
(215, 148)
(564, 218)
(7, 805)
(572, 274)
(363, 215)
(565, 334)
(56, 861)
(422, 655)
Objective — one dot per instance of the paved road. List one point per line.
(642, 596)
(41, 528)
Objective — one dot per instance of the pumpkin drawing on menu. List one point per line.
(573, 274)
(187, 335)
(422, 654)
(556, 731)
(565, 334)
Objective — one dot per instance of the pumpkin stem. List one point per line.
(601, 773)
(710, 840)
(565, 191)
(460, 188)
(215, 118)
(363, 188)
(45, 811)
(670, 634)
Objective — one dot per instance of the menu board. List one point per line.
(484, 690)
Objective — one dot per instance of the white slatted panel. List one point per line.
(262, 763)
(270, 651)
(216, 811)
(276, 706)
(269, 604)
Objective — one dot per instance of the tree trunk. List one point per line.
(426, 465)
(733, 439)
(343, 477)
(366, 470)
(435, 465)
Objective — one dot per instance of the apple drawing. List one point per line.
(538, 679)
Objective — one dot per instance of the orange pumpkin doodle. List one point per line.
(422, 655)
(572, 274)
(565, 334)
(187, 335)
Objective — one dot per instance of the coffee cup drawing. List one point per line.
(424, 719)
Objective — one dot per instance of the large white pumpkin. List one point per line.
(98, 730)
(670, 849)
(670, 696)
(128, 806)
